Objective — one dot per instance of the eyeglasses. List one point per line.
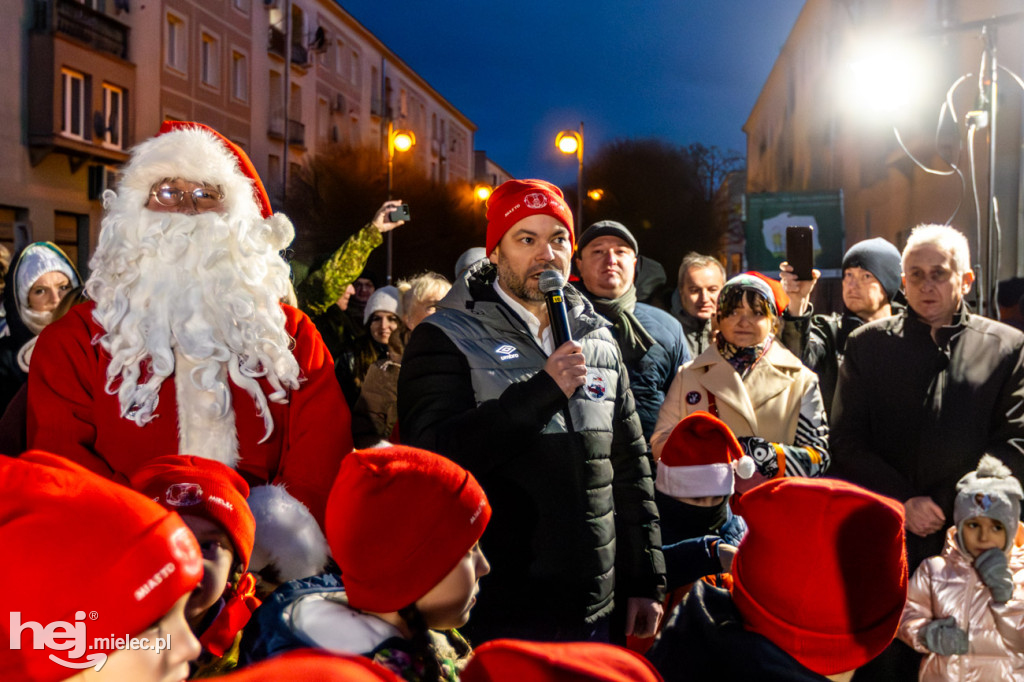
(203, 198)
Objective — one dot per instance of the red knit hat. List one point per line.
(509, 660)
(244, 163)
(822, 572)
(311, 665)
(781, 298)
(201, 487)
(398, 520)
(86, 552)
(518, 199)
(700, 458)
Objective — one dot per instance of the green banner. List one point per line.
(768, 215)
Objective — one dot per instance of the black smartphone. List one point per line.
(400, 213)
(800, 250)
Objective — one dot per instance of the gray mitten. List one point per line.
(763, 454)
(994, 570)
(944, 637)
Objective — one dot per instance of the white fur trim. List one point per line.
(702, 480)
(287, 536)
(201, 432)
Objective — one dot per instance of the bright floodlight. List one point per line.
(883, 77)
(568, 141)
(482, 192)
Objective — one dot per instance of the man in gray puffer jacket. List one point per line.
(551, 434)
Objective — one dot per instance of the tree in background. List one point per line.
(659, 191)
(337, 192)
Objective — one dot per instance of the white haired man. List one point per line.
(186, 347)
(923, 394)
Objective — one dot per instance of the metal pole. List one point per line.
(993, 227)
(579, 184)
(391, 160)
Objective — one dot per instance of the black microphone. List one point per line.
(551, 284)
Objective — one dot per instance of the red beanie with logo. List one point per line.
(314, 665)
(509, 660)
(201, 487)
(822, 571)
(83, 551)
(700, 459)
(518, 199)
(399, 519)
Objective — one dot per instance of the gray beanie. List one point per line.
(384, 299)
(990, 491)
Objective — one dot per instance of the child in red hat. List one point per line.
(819, 584)
(511, 660)
(211, 499)
(403, 525)
(96, 580)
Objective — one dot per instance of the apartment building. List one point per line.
(89, 78)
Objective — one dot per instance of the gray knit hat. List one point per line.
(990, 491)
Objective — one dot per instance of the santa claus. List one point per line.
(187, 348)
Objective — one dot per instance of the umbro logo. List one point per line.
(507, 352)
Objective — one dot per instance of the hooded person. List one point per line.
(40, 276)
(187, 347)
(91, 567)
(965, 607)
(819, 584)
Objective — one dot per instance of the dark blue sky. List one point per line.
(681, 70)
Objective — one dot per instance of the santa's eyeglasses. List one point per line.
(203, 198)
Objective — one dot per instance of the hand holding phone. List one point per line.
(800, 250)
(400, 213)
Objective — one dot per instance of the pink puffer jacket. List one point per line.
(948, 585)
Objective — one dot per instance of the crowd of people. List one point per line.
(225, 465)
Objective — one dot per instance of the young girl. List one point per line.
(211, 498)
(965, 608)
(91, 566)
(403, 525)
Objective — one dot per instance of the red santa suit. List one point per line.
(71, 413)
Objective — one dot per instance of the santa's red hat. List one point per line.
(84, 551)
(822, 571)
(421, 512)
(518, 199)
(700, 457)
(779, 296)
(196, 152)
(201, 487)
(312, 665)
(509, 660)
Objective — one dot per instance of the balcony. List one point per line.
(296, 131)
(275, 45)
(74, 20)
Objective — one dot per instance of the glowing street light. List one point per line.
(571, 142)
(596, 194)
(482, 192)
(398, 141)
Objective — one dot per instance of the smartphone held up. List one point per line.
(800, 250)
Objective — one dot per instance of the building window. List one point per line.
(176, 49)
(72, 120)
(403, 103)
(239, 77)
(241, 5)
(353, 65)
(209, 62)
(113, 116)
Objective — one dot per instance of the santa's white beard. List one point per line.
(204, 288)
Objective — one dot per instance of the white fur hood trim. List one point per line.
(287, 536)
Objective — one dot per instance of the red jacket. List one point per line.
(71, 414)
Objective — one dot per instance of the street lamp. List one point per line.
(596, 194)
(482, 192)
(398, 141)
(571, 142)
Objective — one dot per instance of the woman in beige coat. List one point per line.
(753, 384)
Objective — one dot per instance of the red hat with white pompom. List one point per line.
(701, 459)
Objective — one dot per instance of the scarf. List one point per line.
(742, 359)
(633, 339)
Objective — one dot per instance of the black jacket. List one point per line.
(569, 481)
(910, 416)
(704, 639)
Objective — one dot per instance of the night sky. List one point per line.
(681, 70)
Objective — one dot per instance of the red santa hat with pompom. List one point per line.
(700, 459)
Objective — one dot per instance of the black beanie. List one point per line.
(606, 228)
(881, 259)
